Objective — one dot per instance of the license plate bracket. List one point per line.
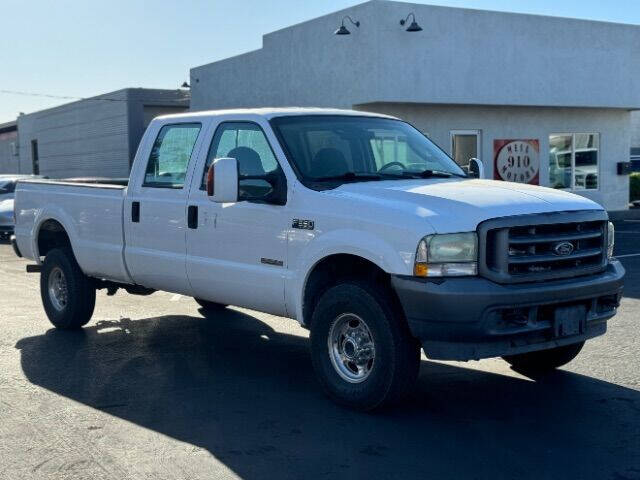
(569, 321)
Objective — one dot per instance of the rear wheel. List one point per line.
(545, 360)
(68, 295)
(361, 348)
(208, 306)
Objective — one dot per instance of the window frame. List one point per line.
(572, 187)
(205, 167)
(478, 135)
(186, 171)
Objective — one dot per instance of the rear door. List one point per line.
(155, 208)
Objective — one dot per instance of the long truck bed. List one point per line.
(91, 211)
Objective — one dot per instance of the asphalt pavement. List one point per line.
(153, 389)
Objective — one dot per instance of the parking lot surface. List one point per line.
(151, 389)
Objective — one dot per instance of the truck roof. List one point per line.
(269, 113)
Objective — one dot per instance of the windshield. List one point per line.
(326, 149)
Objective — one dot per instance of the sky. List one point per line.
(81, 48)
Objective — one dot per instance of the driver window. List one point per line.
(247, 143)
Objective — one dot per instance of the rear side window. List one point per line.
(170, 155)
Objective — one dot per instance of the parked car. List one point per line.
(7, 189)
(293, 212)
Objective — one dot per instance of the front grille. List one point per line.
(529, 248)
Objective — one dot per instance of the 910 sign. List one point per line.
(517, 161)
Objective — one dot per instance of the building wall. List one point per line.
(8, 161)
(84, 138)
(462, 56)
(145, 104)
(613, 125)
(96, 137)
(635, 130)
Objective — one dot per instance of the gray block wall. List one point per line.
(84, 138)
(462, 56)
(8, 148)
(635, 131)
(96, 137)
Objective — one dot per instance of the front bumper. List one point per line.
(473, 318)
(6, 230)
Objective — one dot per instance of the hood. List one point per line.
(454, 205)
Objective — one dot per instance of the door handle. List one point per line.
(135, 212)
(192, 216)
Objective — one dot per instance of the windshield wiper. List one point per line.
(431, 174)
(348, 176)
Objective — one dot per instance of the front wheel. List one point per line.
(68, 295)
(361, 348)
(545, 360)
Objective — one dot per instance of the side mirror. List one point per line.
(222, 180)
(476, 168)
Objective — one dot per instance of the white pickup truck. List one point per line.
(354, 224)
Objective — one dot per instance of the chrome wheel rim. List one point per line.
(58, 289)
(351, 348)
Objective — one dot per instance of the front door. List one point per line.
(236, 255)
(155, 211)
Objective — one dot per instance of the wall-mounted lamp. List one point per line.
(414, 27)
(343, 30)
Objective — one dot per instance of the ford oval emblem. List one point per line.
(563, 248)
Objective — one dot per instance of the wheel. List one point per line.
(68, 295)
(208, 306)
(361, 349)
(545, 360)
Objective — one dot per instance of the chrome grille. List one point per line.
(542, 247)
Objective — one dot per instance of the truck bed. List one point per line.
(90, 210)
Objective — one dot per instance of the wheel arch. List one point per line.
(329, 270)
(51, 232)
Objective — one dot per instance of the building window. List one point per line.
(465, 144)
(35, 161)
(573, 160)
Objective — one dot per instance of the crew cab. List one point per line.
(354, 224)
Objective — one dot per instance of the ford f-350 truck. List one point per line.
(354, 224)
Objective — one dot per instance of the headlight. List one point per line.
(611, 233)
(450, 255)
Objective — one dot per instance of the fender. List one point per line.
(343, 241)
(53, 212)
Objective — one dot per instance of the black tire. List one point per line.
(208, 306)
(545, 360)
(393, 370)
(80, 291)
